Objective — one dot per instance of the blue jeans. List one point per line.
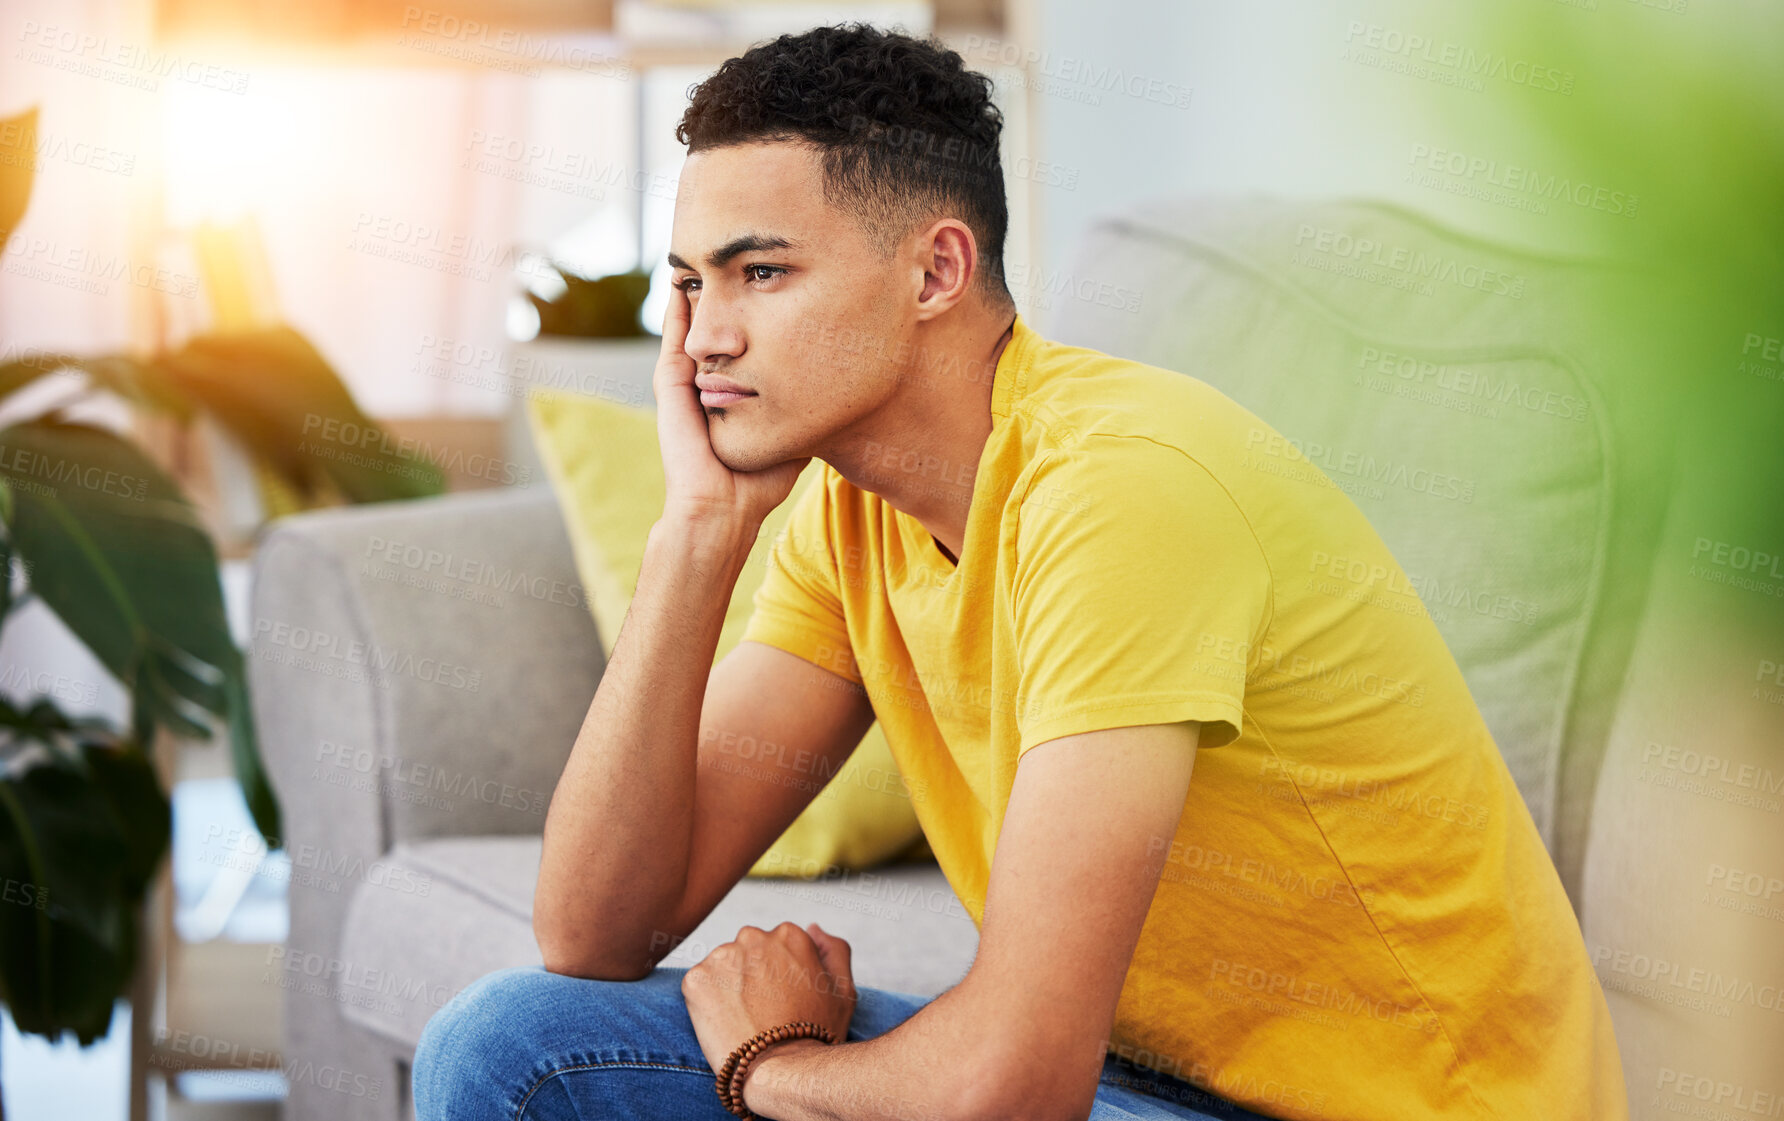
(527, 1045)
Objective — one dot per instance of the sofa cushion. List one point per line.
(445, 912)
(606, 469)
(1453, 389)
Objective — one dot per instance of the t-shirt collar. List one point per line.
(1010, 378)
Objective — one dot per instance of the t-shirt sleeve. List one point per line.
(797, 607)
(1139, 592)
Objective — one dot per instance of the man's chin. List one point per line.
(741, 455)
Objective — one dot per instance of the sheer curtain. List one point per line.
(399, 202)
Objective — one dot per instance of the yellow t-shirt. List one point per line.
(1357, 918)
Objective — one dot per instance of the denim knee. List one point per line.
(470, 1056)
(493, 1044)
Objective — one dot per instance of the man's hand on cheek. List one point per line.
(763, 979)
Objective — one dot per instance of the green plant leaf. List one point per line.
(285, 403)
(126, 780)
(244, 744)
(18, 166)
(5, 559)
(81, 835)
(118, 553)
(136, 380)
(20, 372)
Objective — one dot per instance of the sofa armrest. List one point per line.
(421, 668)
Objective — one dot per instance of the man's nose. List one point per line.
(712, 330)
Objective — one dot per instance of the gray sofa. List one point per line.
(420, 669)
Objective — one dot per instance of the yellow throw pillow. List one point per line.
(606, 469)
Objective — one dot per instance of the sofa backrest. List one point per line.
(1458, 392)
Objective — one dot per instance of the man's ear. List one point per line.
(948, 256)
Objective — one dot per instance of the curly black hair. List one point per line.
(907, 134)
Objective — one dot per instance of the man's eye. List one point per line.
(772, 270)
(684, 282)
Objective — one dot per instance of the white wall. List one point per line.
(1286, 97)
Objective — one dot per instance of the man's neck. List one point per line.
(923, 452)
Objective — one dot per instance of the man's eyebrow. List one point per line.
(737, 246)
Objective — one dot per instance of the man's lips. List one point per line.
(722, 397)
(715, 390)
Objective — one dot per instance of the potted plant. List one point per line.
(590, 341)
(94, 530)
(593, 307)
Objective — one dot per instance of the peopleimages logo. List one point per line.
(505, 48)
(1252, 870)
(1519, 183)
(1414, 262)
(1710, 765)
(15, 141)
(1043, 285)
(1322, 785)
(1051, 70)
(1675, 978)
(326, 436)
(1299, 667)
(1740, 558)
(82, 269)
(353, 659)
(336, 973)
(431, 566)
(1360, 466)
(1324, 997)
(56, 471)
(181, 1050)
(1492, 385)
(323, 865)
(1759, 1103)
(428, 784)
(135, 65)
(1458, 57)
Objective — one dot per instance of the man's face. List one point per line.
(811, 327)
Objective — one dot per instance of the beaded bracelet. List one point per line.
(731, 1075)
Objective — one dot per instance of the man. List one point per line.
(1056, 578)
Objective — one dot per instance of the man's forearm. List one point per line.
(619, 831)
(921, 1070)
